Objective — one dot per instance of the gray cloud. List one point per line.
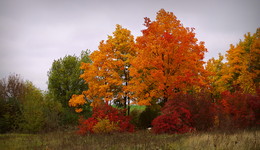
(34, 33)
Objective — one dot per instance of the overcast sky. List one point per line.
(35, 33)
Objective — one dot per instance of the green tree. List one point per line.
(52, 112)
(64, 81)
(64, 78)
(32, 114)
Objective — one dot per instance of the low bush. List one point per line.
(239, 110)
(135, 115)
(185, 112)
(105, 126)
(52, 112)
(10, 115)
(148, 115)
(202, 109)
(176, 118)
(105, 119)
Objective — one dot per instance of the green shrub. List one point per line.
(135, 115)
(68, 117)
(10, 115)
(52, 112)
(148, 115)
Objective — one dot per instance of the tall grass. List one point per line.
(132, 141)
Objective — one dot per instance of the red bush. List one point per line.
(186, 112)
(239, 110)
(254, 104)
(106, 111)
(201, 107)
(86, 125)
(176, 118)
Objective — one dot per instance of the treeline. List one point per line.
(25, 108)
(163, 69)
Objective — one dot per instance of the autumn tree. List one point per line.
(107, 75)
(169, 60)
(242, 69)
(216, 68)
(254, 63)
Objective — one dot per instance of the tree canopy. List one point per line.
(169, 60)
(64, 78)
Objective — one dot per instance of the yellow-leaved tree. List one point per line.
(215, 67)
(242, 69)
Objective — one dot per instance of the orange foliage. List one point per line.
(77, 100)
(169, 60)
(243, 68)
(105, 76)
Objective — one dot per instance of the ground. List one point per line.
(248, 139)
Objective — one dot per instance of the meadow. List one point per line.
(140, 140)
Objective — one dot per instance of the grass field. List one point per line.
(240, 140)
(138, 107)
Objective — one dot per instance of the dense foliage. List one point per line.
(238, 110)
(176, 118)
(241, 71)
(64, 81)
(108, 72)
(11, 97)
(63, 77)
(169, 60)
(106, 119)
(25, 108)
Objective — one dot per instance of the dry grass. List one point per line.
(240, 140)
(140, 140)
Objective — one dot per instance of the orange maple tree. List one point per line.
(107, 75)
(169, 60)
